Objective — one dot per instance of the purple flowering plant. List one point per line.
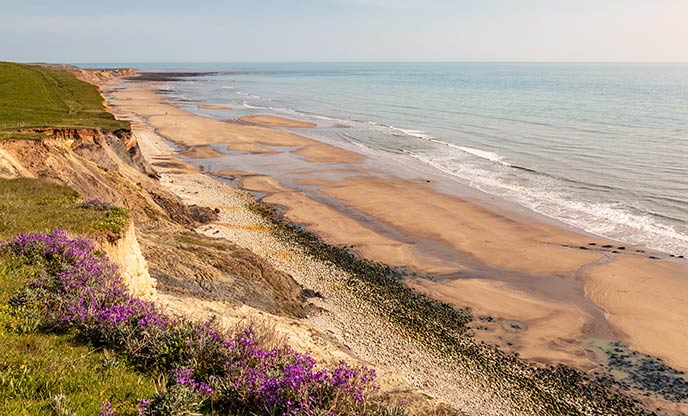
(207, 371)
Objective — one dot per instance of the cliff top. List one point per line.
(34, 97)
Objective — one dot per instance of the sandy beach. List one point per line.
(214, 107)
(547, 289)
(275, 121)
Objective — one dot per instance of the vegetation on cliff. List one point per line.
(36, 205)
(42, 371)
(76, 292)
(74, 340)
(36, 97)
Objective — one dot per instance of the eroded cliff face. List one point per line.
(158, 250)
(10, 167)
(132, 266)
(57, 158)
(95, 76)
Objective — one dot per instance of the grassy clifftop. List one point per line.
(47, 372)
(36, 97)
(34, 205)
(44, 371)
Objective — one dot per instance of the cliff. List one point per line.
(108, 166)
(133, 268)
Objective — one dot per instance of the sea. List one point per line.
(602, 147)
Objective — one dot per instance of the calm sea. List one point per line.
(602, 147)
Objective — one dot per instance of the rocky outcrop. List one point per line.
(10, 167)
(133, 268)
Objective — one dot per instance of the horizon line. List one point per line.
(230, 62)
(376, 61)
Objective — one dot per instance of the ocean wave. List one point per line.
(483, 154)
(247, 105)
(292, 111)
(610, 220)
(494, 157)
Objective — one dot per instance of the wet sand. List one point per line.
(275, 121)
(214, 107)
(185, 128)
(538, 329)
(201, 152)
(646, 300)
(548, 280)
(250, 148)
(336, 227)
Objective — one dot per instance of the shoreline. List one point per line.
(568, 248)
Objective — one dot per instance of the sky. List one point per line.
(343, 30)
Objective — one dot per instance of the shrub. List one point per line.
(114, 218)
(206, 370)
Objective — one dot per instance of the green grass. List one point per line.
(51, 374)
(36, 96)
(44, 373)
(36, 205)
(41, 372)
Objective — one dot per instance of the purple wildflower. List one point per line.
(81, 290)
(106, 409)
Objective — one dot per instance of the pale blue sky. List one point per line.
(343, 30)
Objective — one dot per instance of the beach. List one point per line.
(535, 287)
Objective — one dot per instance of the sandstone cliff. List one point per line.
(159, 243)
(133, 268)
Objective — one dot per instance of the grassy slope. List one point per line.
(32, 205)
(33, 96)
(43, 373)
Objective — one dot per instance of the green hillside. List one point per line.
(35, 96)
(42, 371)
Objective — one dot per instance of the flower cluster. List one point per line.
(299, 387)
(78, 290)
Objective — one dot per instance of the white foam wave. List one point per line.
(247, 105)
(494, 157)
(228, 87)
(544, 196)
(415, 133)
(483, 154)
